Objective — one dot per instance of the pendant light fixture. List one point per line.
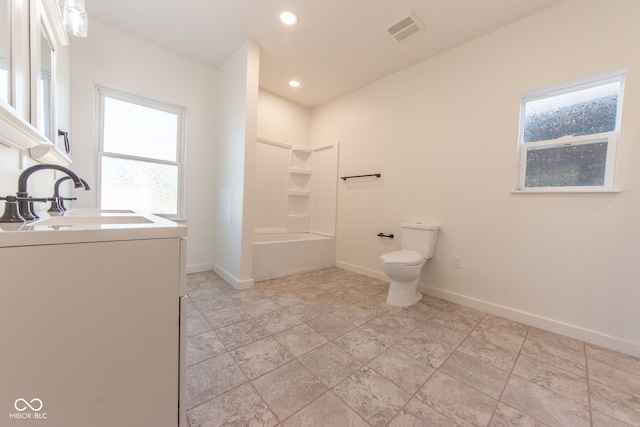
(74, 17)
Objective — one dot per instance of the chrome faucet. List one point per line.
(23, 196)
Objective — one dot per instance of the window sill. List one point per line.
(568, 191)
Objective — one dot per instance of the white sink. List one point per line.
(97, 212)
(70, 221)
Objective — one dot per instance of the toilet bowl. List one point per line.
(403, 267)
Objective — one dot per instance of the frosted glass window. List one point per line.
(141, 152)
(136, 130)
(139, 185)
(569, 135)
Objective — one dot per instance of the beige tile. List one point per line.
(241, 406)
(330, 364)
(358, 315)
(260, 357)
(330, 326)
(489, 352)
(422, 312)
(542, 404)
(434, 301)
(305, 312)
(614, 403)
(277, 321)
(385, 330)
(418, 414)
(328, 410)
(458, 401)
(300, 339)
(506, 416)
(212, 377)
(468, 312)
(499, 338)
(351, 295)
(433, 331)
(602, 420)
(555, 379)
(456, 321)
(400, 319)
(556, 340)
(361, 345)
(241, 333)
(288, 299)
(430, 351)
(203, 346)
(226, 316)
(289, 388)
(561, 358)
(373, 397)
(613, 358)
(402, 370)
(260, 307)
(476, 374)
(196, 324)
(496, 323)
(615, 378)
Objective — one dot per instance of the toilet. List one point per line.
(403, 267)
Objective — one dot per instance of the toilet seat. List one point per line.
(403, 257)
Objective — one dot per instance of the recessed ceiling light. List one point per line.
(294, 83)
(289, 17)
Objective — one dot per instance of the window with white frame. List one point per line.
(569, 136)
(141, 154)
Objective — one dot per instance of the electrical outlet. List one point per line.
(456, 261)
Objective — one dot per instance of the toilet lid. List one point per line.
(404, 257)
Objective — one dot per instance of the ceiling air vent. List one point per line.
(405, 27)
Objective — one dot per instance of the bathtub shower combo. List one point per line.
(295, 211)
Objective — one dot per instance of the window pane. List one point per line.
(566, 166)
(137, 185)
(134, 130)
(582, 112)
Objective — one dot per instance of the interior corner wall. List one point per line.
(443, 134)
(235, 166)
(282, 120)
(122, 62)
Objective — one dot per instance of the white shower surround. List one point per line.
(295, 213)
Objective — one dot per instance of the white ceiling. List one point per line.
(337, 47)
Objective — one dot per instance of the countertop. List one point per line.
(87, 228)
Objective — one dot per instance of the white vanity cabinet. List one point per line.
(90, 332)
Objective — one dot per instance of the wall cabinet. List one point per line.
(28, 50)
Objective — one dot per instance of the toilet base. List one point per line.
(403, 294)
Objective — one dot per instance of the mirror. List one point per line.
(45, 86)
(5, 50)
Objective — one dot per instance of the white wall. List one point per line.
(235, 166)
(282, 120)
(443, 134)
(116, 60)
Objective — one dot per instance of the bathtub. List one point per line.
(277, 255)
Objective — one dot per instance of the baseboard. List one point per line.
(364, 271)
(573, 331)
(197, 268)
(231, 279)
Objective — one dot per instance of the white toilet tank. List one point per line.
(419, 237)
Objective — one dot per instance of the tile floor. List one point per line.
(324, 349)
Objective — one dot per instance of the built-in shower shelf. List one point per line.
(299, 171)
(299, 193)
